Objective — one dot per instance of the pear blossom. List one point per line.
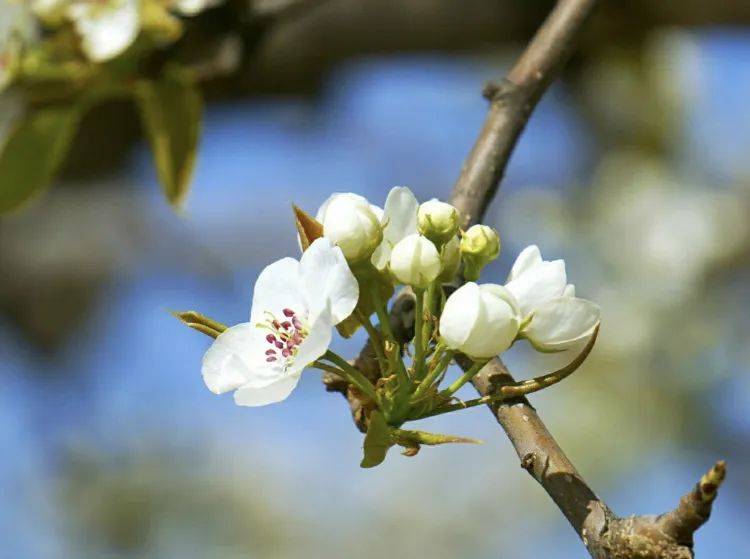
(437, 221)
(399, 220)
(352, 223)
(415, 261)
(481, 321)
(107, 27)
(553, 318)
(295, 306)
(480, 245)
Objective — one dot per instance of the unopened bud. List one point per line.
(480, 245)
(415, 261)
(437, 221)
(450, 255)
(349, 222)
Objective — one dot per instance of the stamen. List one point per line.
(270, 338)
(270, 359)
(270, 352)
(286, 325)
(288, 312)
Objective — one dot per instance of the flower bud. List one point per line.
(349, 222)
(415, 261)
(437, 221)
(480, 245)
(450, 255)
(480, 320)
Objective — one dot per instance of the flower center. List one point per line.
(285, 336)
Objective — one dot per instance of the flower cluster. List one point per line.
(355, 252)
(103, 29)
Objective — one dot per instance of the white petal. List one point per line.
(529, 257)
(270, 394)
(497, 324)
(328, 281)
(315, 344)
(569, 291)
(503, 293)
(538, 285)
(237, 358)
(106, 29)
(354, 198)
(459, 315)
(561, 323)
(399, 214)
(382, 255)
(278, 287)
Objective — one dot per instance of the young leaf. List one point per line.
(308, 227)
(201, 323)
(377, 441)
(171, 110)
(33, 151)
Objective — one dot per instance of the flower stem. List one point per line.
(418, 333)
(353, 375)
(382, 312)
(464, 378)
(438, 369)
(376, 340)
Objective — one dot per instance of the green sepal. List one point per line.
(377, 441)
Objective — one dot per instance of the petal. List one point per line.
(315, 344)
(538, 285)
(561, 323)
(399, 215)
(503, 293)
(321, 215)
(237, 358)
(269, 394)
(278, 287)
(328, 281)
(496, 327)
(382, 255)
(569, 291)
(460, 315)
(106, 30)
(529, 257)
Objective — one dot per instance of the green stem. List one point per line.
(418, 329)
(382, 312)
(440, 366)
(376, 340)
(353, 375)
(464, 378)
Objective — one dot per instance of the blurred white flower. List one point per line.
(399, 220)
(17, 28)
(552, 317)
(352, 223)
(415, 261)
(295, 306)
(481, 321)
(107, 27)
(193, 7)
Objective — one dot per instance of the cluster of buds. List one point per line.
(354, 252)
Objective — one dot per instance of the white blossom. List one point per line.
(193, 7)
(107, 27)
(553, 318)
(399, 220)
(481, 321)
(295, 306)
(415, 261)
(352, 223)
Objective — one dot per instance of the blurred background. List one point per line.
(634, 168)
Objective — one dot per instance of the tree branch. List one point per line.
(605, 535)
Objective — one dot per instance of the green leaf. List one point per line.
(377, 441)
(171, 110)
(34, 150)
